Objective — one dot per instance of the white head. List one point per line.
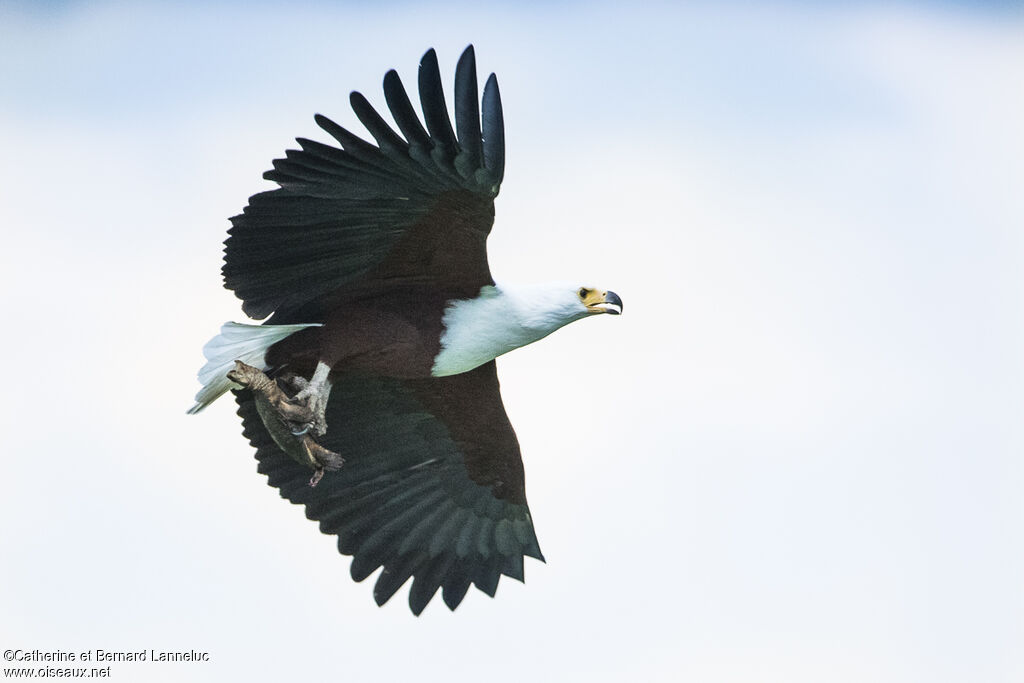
(546, 307)
(506, 317)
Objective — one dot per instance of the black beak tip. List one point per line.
(613, 299)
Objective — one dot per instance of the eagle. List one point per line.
(374, 367)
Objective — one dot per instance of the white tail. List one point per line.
(236, 341)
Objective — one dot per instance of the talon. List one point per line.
(306, 411)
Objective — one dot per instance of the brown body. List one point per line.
(395, 333)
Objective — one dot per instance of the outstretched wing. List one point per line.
(413, 209)
(432, 486)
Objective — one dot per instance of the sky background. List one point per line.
(797, 457)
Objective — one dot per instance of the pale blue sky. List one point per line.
(812, 213)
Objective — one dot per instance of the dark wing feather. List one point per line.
(432, 486)
(413, 209)
(435, 111)
(467, 115)
(493, 136)
(403, 113)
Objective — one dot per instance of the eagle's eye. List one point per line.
(582, 292)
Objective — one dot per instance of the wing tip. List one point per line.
(429, 59)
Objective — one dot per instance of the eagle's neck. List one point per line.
(497, 321)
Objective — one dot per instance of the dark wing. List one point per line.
(413, 209)
(432, 486)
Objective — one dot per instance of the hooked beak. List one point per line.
(608, 302)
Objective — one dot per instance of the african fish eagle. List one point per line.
(384, 323)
